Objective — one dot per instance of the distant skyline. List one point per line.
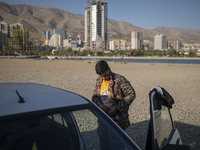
(148, 14)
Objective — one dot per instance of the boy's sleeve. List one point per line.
(129, 96)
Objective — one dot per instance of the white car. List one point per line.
(40, 117)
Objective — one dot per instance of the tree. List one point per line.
(111, 54)
(171, 52)
(99, 53)
(163, 53)
(121, 52)
(192, 54)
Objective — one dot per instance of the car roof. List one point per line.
(36, 96)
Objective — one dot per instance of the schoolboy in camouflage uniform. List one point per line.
(113, 94)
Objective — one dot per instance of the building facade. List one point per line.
(47, 38)
(119, 44)
(6, 32)
(79, 40)
(20, 41)
(136, 40)
(56, 41)
(47, 35)
(3, 34)
(96, 37)
(61, 32)
(177, 45)
(160, 42)
(66, 43)
(190, 47)
(147, 45)
(112, 45)
(14, 26)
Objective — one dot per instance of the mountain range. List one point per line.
(38, 20)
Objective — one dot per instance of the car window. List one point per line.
(80, 129)
(97, 133)
(59, 119)
(163, 125)
(37, 132)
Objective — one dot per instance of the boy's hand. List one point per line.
(103, 107)
(112, 111)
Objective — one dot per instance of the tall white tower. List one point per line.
(96, 25)
(136, 40)
(160, 42)
(177, 45)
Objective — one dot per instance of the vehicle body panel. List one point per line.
(48, 114)
(36, 96)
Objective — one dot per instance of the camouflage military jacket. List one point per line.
(122, 94)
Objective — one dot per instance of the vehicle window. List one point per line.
(163, 125)
(59, 119)
(38, 132)
(96, 133)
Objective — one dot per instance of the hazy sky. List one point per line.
(147, 14)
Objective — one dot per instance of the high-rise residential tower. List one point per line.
(96, 25)
(177, 45)
(47, 35)
(160, 42)
(136, 40)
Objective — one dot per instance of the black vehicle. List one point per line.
(35, 117)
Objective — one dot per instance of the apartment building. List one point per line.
(190, 47)
(119, 44)
(136, 40)
(96, 37)
(160, 42)
(56, 40)
(112, 45)
(47, 37)
(177, 45)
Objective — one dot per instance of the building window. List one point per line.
(2, 26)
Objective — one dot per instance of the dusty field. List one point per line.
(180, 80)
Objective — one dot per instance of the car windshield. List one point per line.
(80, 129)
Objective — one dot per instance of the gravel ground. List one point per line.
(182, 81)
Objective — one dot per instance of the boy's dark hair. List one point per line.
(101, 67)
